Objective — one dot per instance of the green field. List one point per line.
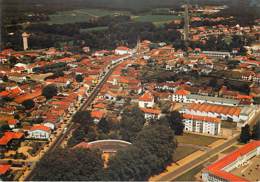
(156, 19)
(93, 29)
(81, 15)
(182, 152)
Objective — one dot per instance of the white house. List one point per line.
(151, 113)
(146, 100)
(39, 132)
(122, 50)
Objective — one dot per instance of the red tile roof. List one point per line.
(8, 136)
(182, 92)
(27, 96)
(4, 168)
(40, 127)
(123, 48)
(147, 97)
(201, 118)
(12, 121)
(4, 93)
(151, 111)
(217, 167)
(227, 110)
(97, 114)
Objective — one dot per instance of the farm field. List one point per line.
(156, 19)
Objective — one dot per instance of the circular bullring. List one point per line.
(106, 146)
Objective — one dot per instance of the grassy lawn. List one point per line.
(196, 139)
(154, 18)
(228, 124)
(157, 20)
(94, 29)
(183, 151)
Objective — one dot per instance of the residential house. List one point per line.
(151, 113)
(4, 172)
(146, 100)
(10, 141)
(122, 50)
(39, 132)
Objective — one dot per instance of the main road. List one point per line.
(62, 136)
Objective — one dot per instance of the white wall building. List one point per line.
(221, 171)
(216, 111)
(146, 100)
(201, 124)
(122, 50)
(151, 113)
(39, 132)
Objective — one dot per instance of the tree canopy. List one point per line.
(245, 134)
(256, 131)
(131, 123)
(69, 165)
(28, 104)
(49, 91)
(174, 120)
(149, 155)
(79, 78)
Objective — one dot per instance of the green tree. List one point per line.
(256, 131)
(82, 117)
(69, 165)
(79, 78)
(245, 134)
(78, 136)
(149, 154)
(5, 78)
(49, 91)
(28, 104)
(175, 122)
(104, 125)
(131, 123)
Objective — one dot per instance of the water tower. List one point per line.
(25, 40)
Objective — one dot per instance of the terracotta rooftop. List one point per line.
(8, 136)
(217, 167)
